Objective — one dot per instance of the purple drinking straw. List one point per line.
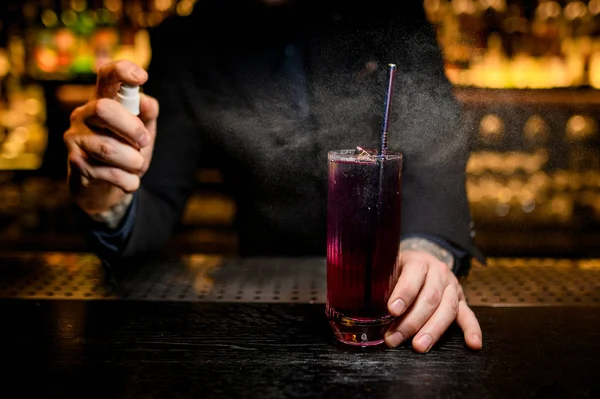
(383, 140)
(372, 252)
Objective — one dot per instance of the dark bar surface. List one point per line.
(213, 327)
(170, 349)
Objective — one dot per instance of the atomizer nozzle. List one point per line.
(129, 97)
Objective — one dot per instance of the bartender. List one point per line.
(266, 88)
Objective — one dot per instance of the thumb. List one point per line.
(112, 74)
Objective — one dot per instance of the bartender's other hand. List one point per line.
(429, 298)
(109, 148)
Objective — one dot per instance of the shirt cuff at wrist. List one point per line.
(462, 257)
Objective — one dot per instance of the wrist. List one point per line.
(112, 216)
(424, 245)
(97, 197)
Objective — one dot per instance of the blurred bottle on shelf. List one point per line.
(73, 38)
(23, 135)
(517, 44)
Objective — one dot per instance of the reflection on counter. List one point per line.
(200, 278)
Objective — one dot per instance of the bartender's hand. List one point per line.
(109, 148)
(429, 298)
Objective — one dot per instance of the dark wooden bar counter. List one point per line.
(120, 344)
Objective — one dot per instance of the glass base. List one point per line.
(359, 331)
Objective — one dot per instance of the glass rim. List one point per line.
(351, 153)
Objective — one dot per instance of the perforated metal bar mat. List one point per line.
(504, 282)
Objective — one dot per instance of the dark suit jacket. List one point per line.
(266, 91)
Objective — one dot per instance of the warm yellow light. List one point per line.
(536, 128)
(594, 70)
(521, 67)
(4, 63)
(68, 17)
(142, 19)
(557, 75)
(431, 6)
(498, 5)
(162, 5)
(550, 9)
(113, 5)
(49, 18)
(576, 124)
(19, 135)
(154, 18)
(594, 6)
(575, 9)
(579, 127)
(491, 126)
(561, 205)
(505, 195)
(78, 5)
(463, 6)
(185, 7)
(12, 149)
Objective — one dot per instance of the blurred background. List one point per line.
(526, 72)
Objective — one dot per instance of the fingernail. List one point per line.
(137, 74)
(394, 339)
(426, 342)
(144, 140)
(398, 306)
(476, 337)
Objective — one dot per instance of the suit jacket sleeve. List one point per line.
(170, 179)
